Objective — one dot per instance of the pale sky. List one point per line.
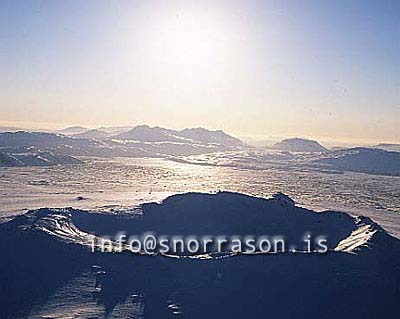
(328, 70)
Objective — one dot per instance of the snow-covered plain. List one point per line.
(122, 183)
(47, 272)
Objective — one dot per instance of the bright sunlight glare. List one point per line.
(188, 40)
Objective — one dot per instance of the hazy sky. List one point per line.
(321, 69)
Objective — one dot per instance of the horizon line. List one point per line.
(245, 137)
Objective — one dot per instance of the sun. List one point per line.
(186, 51)
(189, 39)
(193, 39)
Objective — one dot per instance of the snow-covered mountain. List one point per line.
(202, 146)
(115, 129)
(299, 145)
(31, 143)
(137, 142)
(48, 269)
(9, 129)
(364, 160)
(145, 133)
(35, 158)
(73, 130)
(40, 139)
(96, 134)
(206, 136)
(388, 147)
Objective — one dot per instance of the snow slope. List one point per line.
(35, 157)
(363, 160)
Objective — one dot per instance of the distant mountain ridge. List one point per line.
(140, 141)
(35, 158)
(208, 136)
(145, 141)
(39, 139)
(299, 145)
(388, 147)
(9, 129)
(364, 160)
(146, 133)
(73, 130)
(93, 134)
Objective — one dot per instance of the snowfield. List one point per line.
(195, 182)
